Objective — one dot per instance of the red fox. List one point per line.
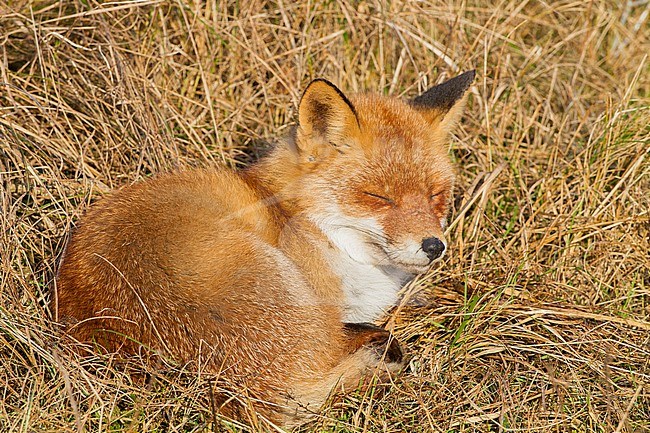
(272, 275)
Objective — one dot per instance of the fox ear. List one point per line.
(326, 120)
(443, 104)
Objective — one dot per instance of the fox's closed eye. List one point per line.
(380, 197)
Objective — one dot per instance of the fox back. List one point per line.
(270, 276)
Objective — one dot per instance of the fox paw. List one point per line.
(378, 339)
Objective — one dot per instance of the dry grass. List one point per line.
(538, 321)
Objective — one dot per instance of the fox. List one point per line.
(274, 276)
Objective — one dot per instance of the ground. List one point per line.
(537, 320)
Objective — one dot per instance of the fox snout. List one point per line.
(434, 248)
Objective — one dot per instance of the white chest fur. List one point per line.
(370, 285)
(369, 291)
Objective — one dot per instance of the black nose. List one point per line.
(433, 247)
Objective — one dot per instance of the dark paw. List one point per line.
(380, 340)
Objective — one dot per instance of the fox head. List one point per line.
(376, 176)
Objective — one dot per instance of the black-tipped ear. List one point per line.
(438, 101)
(325, 118)
(445, 95)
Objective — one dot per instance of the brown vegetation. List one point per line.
(538, 319)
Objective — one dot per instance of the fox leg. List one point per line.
(370, 352)
(367, 335)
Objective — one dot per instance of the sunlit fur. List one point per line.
(253, 273)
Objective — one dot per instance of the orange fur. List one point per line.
(254, 273)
